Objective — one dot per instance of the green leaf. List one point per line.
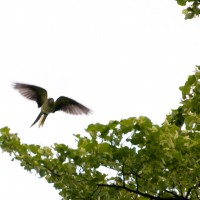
(34, 148)
(181, 2)
(105, 149)
(189, 121)
(191, 79)
(189, 15)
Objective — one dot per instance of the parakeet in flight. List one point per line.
(48, 105)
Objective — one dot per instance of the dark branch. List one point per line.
(123, 175)
(137, 192)
(95, 192)
(190, 189)
(178, 197)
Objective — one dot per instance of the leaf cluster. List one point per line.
(192, 8)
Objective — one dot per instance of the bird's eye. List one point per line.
(51, 101)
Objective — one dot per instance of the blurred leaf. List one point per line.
(181, 2)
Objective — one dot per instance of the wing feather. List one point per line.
(32, 92)
(70, 106)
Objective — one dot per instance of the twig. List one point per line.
(190, 189)
(136, 192)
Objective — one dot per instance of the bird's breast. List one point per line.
(47, 108)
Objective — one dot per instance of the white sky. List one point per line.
(120, 58)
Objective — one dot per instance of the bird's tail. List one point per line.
(42, 119)
(38, 117)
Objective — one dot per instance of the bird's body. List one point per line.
(47, 108)
(48, 105)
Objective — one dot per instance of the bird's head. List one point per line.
(51, 101)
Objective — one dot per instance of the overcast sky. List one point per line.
(120, 58)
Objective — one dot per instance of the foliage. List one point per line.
(128, 159)
(192, 9)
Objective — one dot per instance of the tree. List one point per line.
(192, 9)
(148, 161)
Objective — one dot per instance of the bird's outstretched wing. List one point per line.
(70, 106)
(32, 92)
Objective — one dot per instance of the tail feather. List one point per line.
(42, 120)
(38, 117)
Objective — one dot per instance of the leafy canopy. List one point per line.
(192, 8)
(128, 159)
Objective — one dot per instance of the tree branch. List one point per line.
(173, 194)
(190, 189)
(137, 192)
(123, 175)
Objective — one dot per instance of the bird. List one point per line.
(48, 105)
